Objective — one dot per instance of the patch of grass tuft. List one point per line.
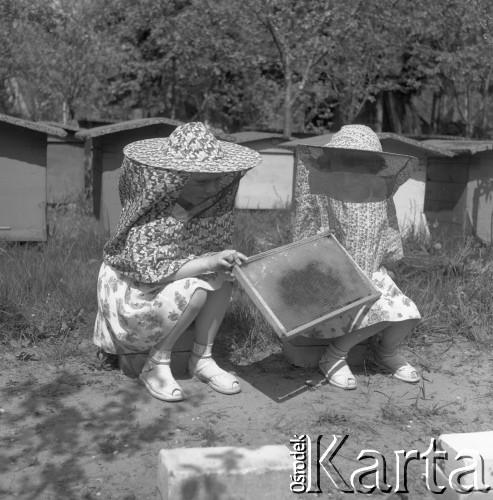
(45, 287)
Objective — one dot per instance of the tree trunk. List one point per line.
(173, 88)
(414, 117)
(65, 112)
(379, 113)
(393, 113)
(485, 105)
(438, 114)
(288, 99)
(468, 114)
(434, 113)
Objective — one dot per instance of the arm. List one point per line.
(221, 261)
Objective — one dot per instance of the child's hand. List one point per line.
(224, 261)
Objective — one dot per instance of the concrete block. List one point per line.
(451, 494)
(307, 353)
(225, 473)
(131, 364)
(475, 443)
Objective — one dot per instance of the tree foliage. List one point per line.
(284, 64)
(59, 55)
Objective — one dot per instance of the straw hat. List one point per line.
(355, 137)
(192, 148)
(358, 148)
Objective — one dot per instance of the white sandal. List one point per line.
(333, 365)
(205, 369)
(396, 365)
(216, 378)
(158, 380)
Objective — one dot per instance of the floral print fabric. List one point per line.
(192, 148)
(368, 231)
(392, 306)
(149, 243)
(137, 304)
(132, 317)
(370, 234)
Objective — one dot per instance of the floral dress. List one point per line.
(137, 305)
(370, 233)
(132, 316)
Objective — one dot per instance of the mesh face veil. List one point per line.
(347, 186)
(353, 175)
(212, 202)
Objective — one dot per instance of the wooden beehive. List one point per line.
(459, 190)
(23, 178)
(65, 161)
(107, 143)
(270, 185)
(304, 284)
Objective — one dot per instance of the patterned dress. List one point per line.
(137, 306)
(132, 316)
(370, 233)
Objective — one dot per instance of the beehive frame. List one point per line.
(365, 298)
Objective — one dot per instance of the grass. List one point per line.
(454, 298)
(208, 434)
(47, 289)
(256, 231)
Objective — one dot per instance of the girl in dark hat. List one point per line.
(169, 262)
(347, 186)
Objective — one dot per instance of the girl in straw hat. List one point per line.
(169, 262)
(347, 186)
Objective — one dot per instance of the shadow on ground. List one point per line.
(277, 379)
(281, 381)
(54, 424)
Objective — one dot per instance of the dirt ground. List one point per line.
(72, 428)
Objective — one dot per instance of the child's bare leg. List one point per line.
(386, 351)
(211, 315)
(333, 362)
(394, 335)
(156, 374)
(207, 324)
(196, 304)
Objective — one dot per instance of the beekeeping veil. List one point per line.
(151, 242)
(347, 186)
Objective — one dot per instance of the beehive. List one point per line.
(23, 178)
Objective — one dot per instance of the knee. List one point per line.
(197, 300)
